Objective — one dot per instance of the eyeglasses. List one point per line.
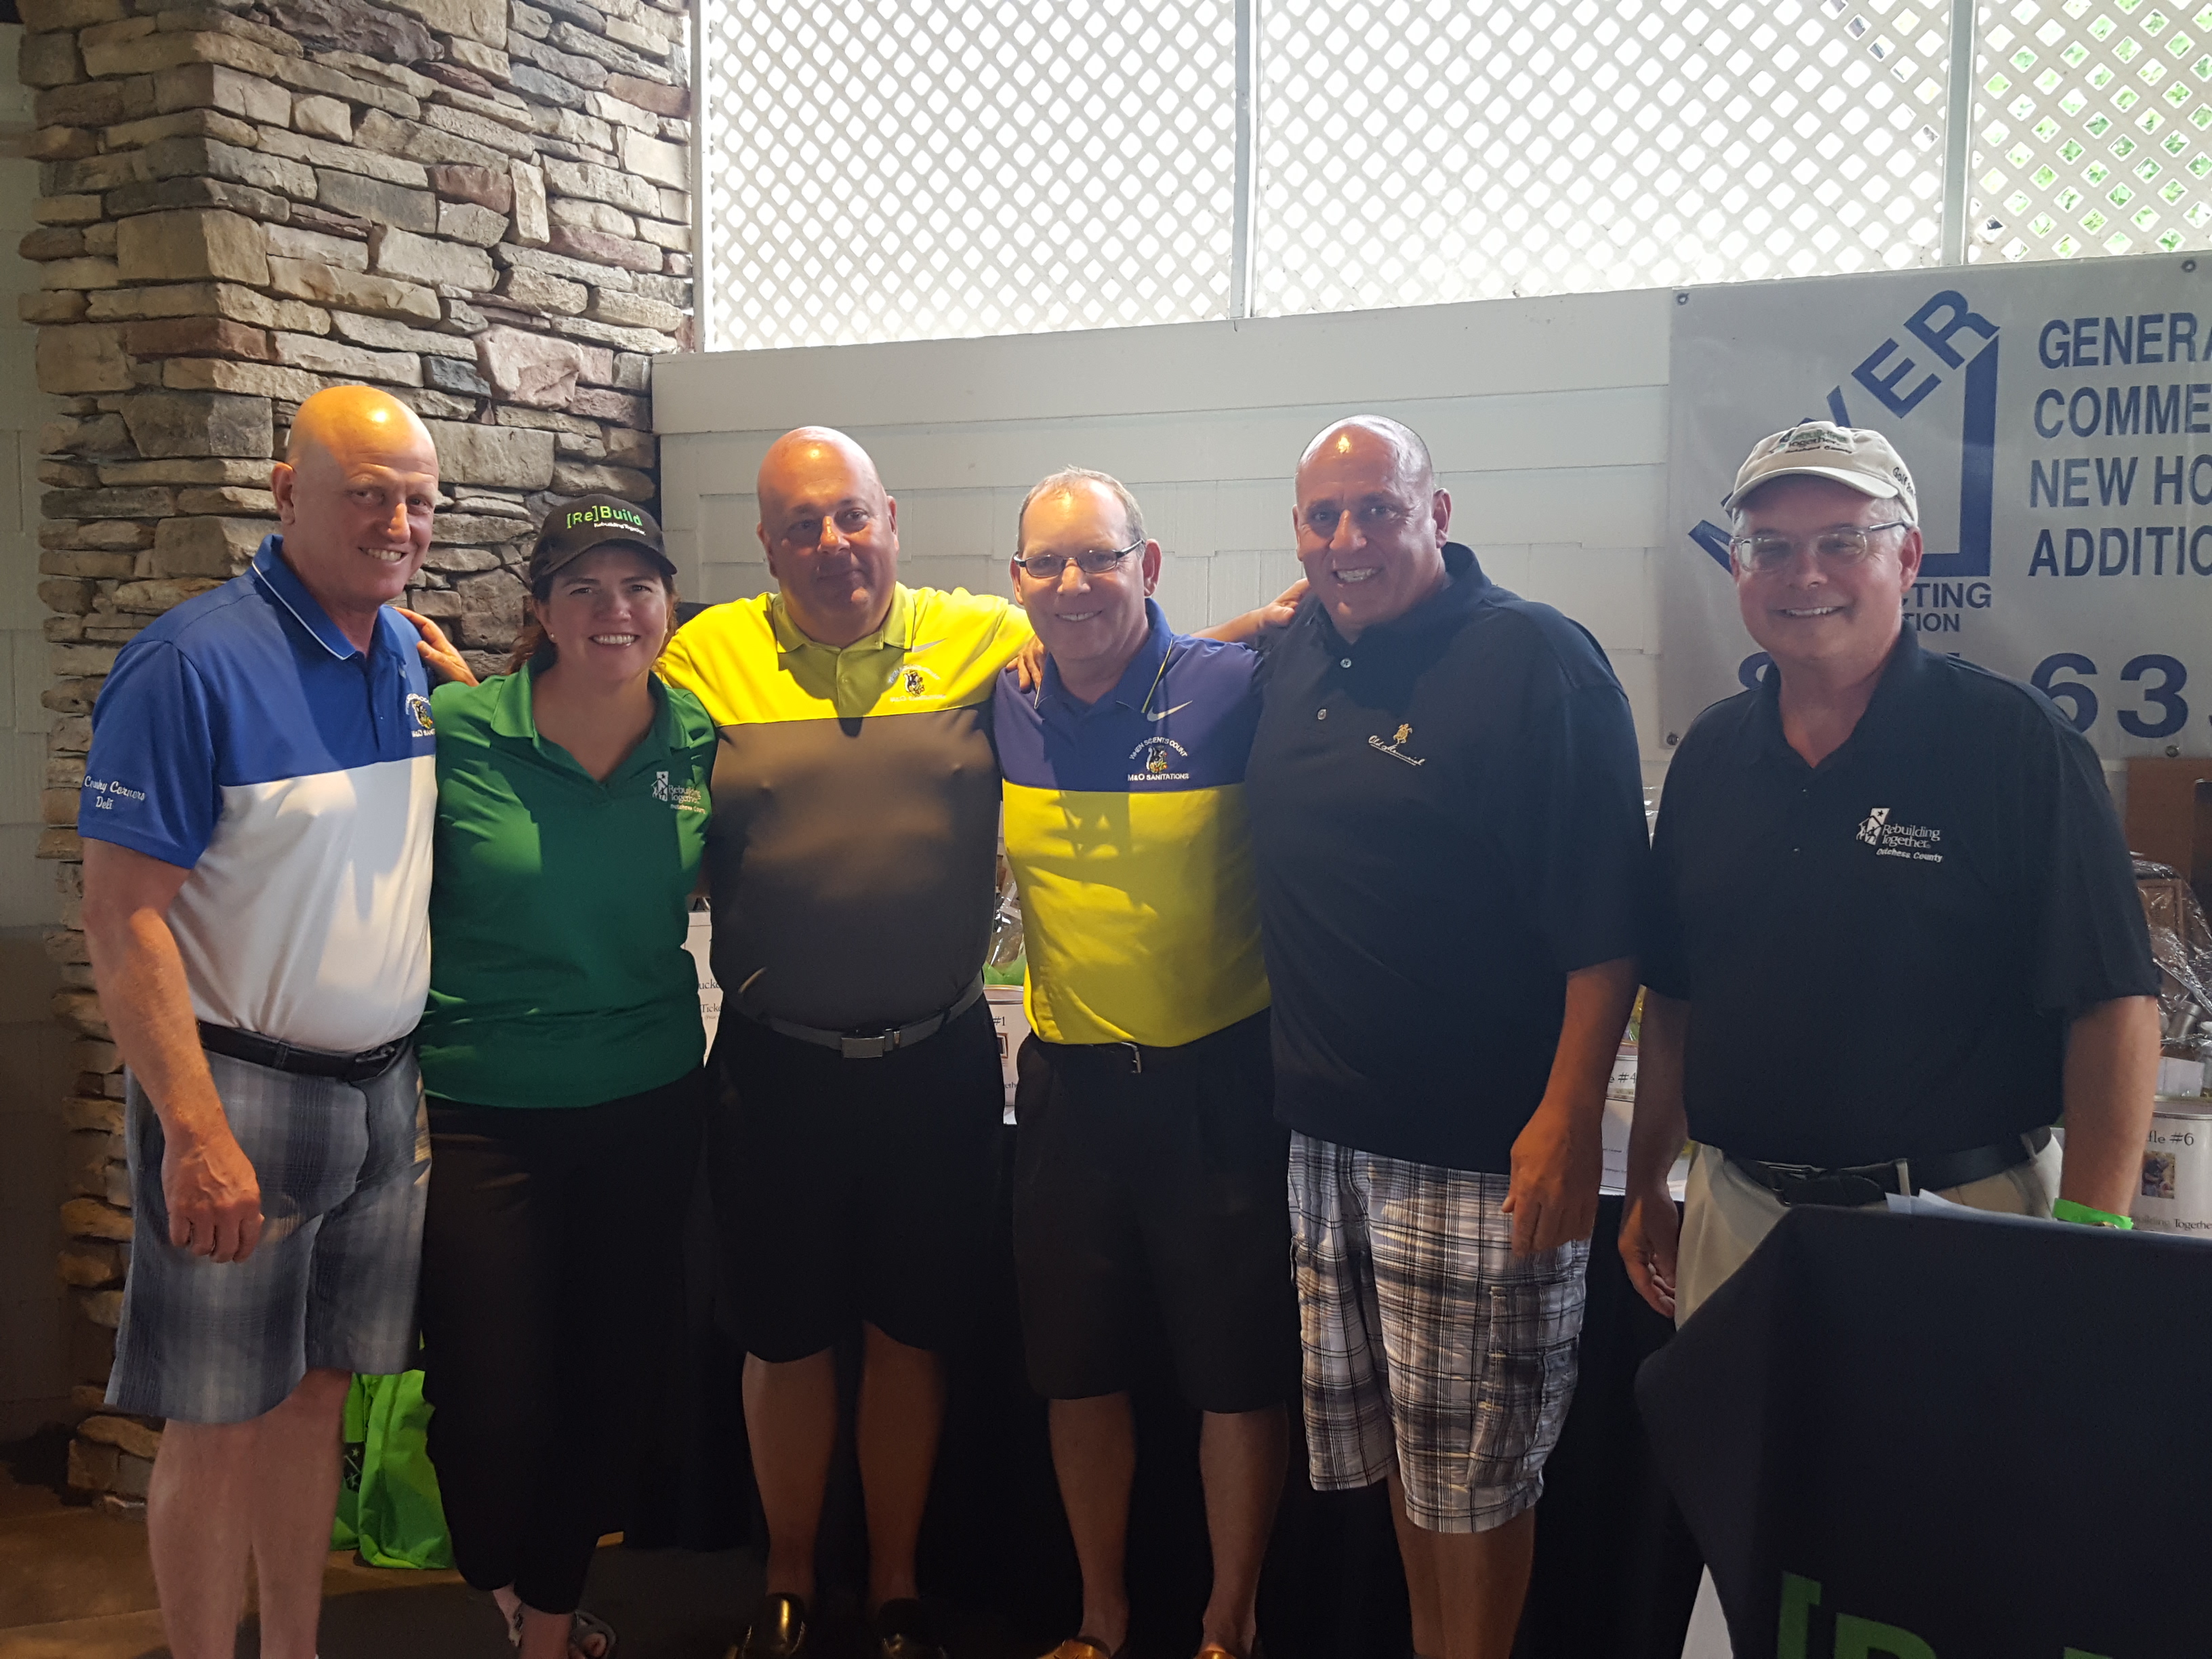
(1843, 545)
(1094, 561)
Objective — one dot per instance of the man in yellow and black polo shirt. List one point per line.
(851, 859)
(851, 863)
(1149, 1168)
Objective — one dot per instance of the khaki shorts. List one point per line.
(1725, 1214)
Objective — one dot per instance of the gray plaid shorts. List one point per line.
(344, 1171)
(1427, 1340)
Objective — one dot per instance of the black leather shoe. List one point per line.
(778, 1631)
(904, 1629)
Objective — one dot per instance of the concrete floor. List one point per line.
(74, 1584)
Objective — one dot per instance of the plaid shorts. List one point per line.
(1427, 1340)
(344, 1171)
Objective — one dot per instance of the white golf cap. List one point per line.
(1849, 455)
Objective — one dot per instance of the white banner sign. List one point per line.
(2057, 419)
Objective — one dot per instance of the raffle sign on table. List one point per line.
(2057, 419)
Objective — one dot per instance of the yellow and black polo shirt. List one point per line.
(852, 850)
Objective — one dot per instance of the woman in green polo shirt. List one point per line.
(561, 1053)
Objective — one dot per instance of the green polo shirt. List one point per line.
(558, 975)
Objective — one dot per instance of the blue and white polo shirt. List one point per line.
(244, 738)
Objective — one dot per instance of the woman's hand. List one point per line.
(443, 656)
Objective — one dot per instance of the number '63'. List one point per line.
(2164, 712)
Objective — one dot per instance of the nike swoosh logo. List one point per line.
(929, 646)
(1164, 713)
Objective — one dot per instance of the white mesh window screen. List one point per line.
(2093, 128)
(1418, 151)
(916, 169)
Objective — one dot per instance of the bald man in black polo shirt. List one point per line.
(1447, 820)
(1897, 930)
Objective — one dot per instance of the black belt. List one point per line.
(1867, 1184)
(257, 1050)
(1136, 1058)
(870, 1045)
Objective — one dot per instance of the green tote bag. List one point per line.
(388, 1505)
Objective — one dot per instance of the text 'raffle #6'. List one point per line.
(2057, 419)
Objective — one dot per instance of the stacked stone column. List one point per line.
(480, 205)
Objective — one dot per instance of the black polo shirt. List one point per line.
(1446, 818)
(1882, 953)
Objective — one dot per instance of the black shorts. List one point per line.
(1165, 1187)
(855, 1190)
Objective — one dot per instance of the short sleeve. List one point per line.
(677, 666)
(1666, 964)
(1011, 633)
(1580, 837)
(149, 782)
(2088, 939)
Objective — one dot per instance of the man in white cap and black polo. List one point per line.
(1897, 932)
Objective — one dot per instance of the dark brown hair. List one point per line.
(532, 649)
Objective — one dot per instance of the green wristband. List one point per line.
(2067, 1210)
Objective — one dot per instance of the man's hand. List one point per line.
(443, 656)
(1556, 1163)
(1029, 663)
(1278, 610)
(1251, 624)
(213, 1194)
(1650, 1231)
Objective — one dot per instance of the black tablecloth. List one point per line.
(1913, 1436)
(1616, 1573)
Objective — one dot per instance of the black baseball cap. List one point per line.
(576, 527)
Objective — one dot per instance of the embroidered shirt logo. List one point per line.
(1156, 759)
(911, 683)
(106, 793)
(1915, 842)
(683, 797)
(419, 711)
(1395, 748)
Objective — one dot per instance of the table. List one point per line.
(1921, 1435)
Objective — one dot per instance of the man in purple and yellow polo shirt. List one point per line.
(1149, 1167)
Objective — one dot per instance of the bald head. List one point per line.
(1371, 521)
(354, 493)
(346, 417)
(830, 533)
(1395, 436)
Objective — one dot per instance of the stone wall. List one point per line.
(481, 205)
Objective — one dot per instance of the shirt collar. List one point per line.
(1465, 587)
(513, 714)
(283, 582)
(896, 632)
(1887, 720)
(1137, 680)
